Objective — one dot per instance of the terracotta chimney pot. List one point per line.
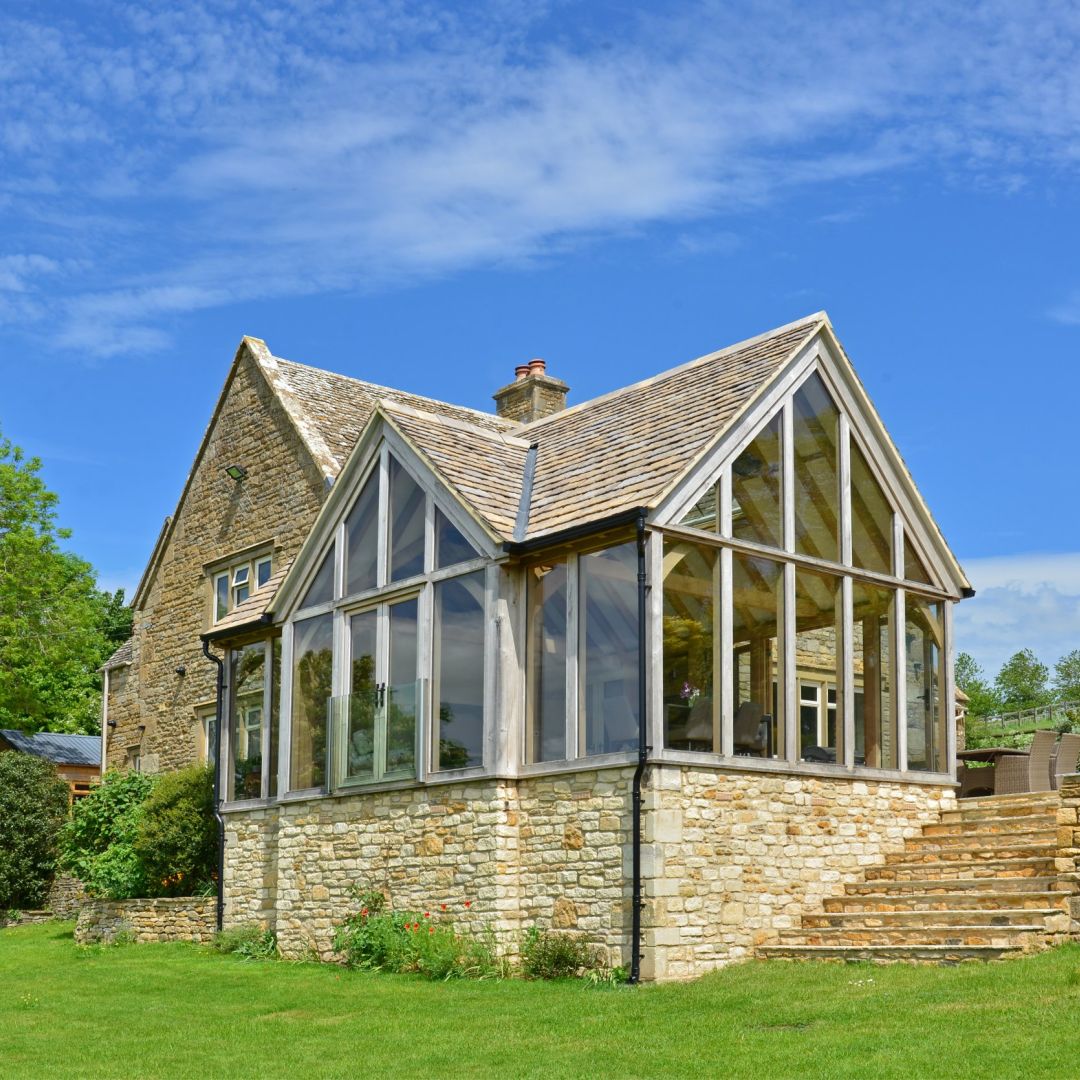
(521, 371)
(537, 367)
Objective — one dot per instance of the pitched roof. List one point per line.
(122, 656)
(57, 746)
(627, 448)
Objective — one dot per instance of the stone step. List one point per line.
(942, 869)
(890, 954)
(985, 885)
(1027, 936)
(1001, 806)
(938, 917)
(1047, 834)
(971, 900)
(973, 853)
(993, 826)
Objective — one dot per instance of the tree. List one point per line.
(1022, 681)
(1067, 677)
(56, 626)
(983, 699)
(33, 807)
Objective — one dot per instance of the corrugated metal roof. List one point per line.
(57, 746)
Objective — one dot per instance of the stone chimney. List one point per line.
(532, 395)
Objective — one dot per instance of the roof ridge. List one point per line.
(506, 437)
(818, 317)
(379, 390)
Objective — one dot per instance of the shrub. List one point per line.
(377, 939)
(176, 835)
(250, 941)
(549, 955)
(97, 845)
(33, 808)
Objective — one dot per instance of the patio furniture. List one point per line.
(752, 730)
(1065, 761)
(1031, 773)
(983, 781)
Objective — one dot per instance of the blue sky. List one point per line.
(426, 195)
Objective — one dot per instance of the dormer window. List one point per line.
(234, 583)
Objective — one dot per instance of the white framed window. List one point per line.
(235, 581)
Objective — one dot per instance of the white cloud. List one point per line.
(1021, 601)
(278, 150)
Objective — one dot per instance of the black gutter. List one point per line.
(217, 780)
(637, 903)
(239, 628)
(575, 532)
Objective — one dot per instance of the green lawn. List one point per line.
(178, 1010)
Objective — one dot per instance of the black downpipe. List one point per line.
(217, 782)
(637, 903)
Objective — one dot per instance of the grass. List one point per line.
(184, 1011)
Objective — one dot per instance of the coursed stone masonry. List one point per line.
(729, 859)
(179, 918)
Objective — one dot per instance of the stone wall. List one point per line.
(729, 859)
(219, 517)
(732, 858)
(180, 918)
(1068, 842)
(66, 896)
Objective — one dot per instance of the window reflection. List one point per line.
(756, 505)
(459, 671)
(406, 524)
(321, 590)
(816, 480)
(691, 586)
(361, 530)
(547, 662)
(248, 683)
(924, 633)
(757, 697)
(818, 635)
(311, 690)
(609, 656)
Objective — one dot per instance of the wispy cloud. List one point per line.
(187, 158)
(1022, 601)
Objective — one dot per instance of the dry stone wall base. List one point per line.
(66, 896)
(729, 859)
(180, 918)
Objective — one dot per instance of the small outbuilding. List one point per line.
(77, 757)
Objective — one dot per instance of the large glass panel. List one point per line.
(691, 586)
(547, 662)
(321, 590)
(406, 524)
(221, 596)
(914, 570)
(248, 682)
(459, 670)
(875, 724)
(275, 712)
(818, 653)
(313, 660)
(401, 690)
(817, 483)
(756, 505)
(362, 539)
(363, 700)
(608, 655)
(926, 713)
(871, 518)
(450, 545)
(757, 662)
(704, 513)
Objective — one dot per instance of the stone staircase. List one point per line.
(980, 884)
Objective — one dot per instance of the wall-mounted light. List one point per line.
(181, 670)
(236, 472)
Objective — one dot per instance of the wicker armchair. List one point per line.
(1027, 772)
(1065, 762)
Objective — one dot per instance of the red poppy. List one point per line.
(468, 903)
(427, 914)
(443, 906)
(431, 929)
(364, 912)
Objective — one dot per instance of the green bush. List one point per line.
(98, 844)
(33, 808)
(549, 955)
(176, 838)
(377, 939)
(249, 941)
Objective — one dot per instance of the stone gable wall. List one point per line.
(277, 501)
(729, 859)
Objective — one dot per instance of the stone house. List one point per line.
(664, 668)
